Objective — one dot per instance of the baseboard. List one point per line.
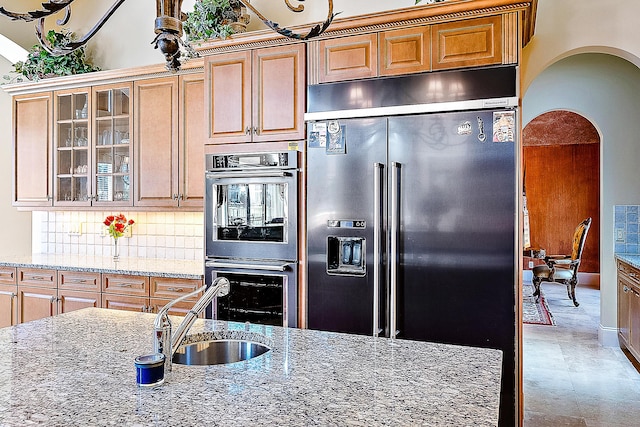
(590, 279)
(608, 337)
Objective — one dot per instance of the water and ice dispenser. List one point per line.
(346, 254)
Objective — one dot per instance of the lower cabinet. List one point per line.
(629, 308)
(37, 293)
(31, 293)
(35, 303)
(8, 297)
(8, 305)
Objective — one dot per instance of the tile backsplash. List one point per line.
(174, 235)
(625, 229)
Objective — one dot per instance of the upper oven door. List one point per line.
(252, 214)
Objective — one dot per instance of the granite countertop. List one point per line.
(631, 259)
(77, 369)
(180, 269)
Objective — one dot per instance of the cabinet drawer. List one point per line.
(125, 285)
(79, 280)
(37, 277)
(628, 272)
(171, 288)
(7, 275)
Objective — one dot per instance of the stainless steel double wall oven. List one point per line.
(251, 235)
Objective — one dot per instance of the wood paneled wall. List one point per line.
(562, 184)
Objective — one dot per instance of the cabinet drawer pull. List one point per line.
(39, 278)
(625, 289)
(175, 289)
(53, 299)
(14, 295)
(632, 274)
(124, 285)
(80, 281)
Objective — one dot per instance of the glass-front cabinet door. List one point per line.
(111, 134)
(72, 147)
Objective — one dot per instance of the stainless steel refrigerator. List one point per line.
(411, 223)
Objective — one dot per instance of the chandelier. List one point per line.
(168, 25)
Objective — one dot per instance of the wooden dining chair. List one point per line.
(563, 268)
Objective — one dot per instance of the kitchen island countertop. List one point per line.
(180, 269)
(77, 369)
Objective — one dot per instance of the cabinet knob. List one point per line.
(256, 131)
(247, 131)
(53, 299)
(625, 289)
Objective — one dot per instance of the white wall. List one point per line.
(15, 234)
(574, 62)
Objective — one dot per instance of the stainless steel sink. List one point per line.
(217, 352)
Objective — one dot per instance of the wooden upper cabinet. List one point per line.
(347, 58)
(256, 96)
(156, 142)
(405, 51)
(470, 43)
(228, 97)
(191, 141)
(279, 87)
(32, 146)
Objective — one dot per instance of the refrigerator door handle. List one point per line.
(377, 236)
(393, 255)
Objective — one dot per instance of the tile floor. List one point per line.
(569, 379)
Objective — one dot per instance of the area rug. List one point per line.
(532, 312)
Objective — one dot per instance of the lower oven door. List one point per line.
(261, 292)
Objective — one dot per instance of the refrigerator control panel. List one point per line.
(346, 223)
(345, 256)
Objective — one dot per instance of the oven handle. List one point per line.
(217, 264)
(245, 174)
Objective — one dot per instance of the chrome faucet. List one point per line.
(163, 342)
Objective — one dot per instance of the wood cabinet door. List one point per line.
(123, 302)
(32, 146)
(8, 305)
(405, 51)
(279, 86)
(469, 43)
(124, 284)
(70, 300)
(178, 309)
(191, 141)
(156, 142)
(228, 97)
(36, 303)
(347, 58)
(624, 295)
(634, 321)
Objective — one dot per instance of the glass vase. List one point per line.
(115, 249)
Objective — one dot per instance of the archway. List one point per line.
(561, 160)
